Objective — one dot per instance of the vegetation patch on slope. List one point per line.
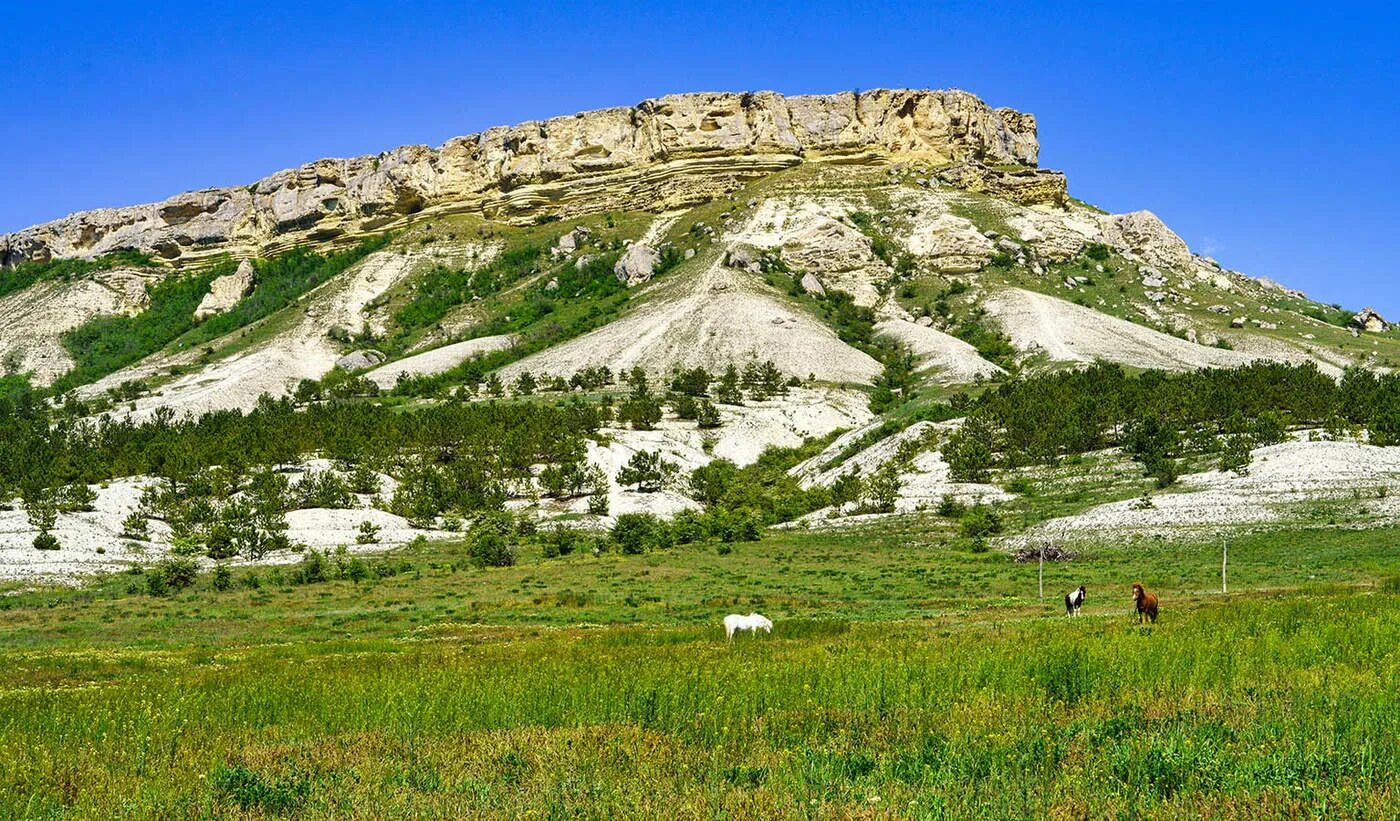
(27, 273)
(107, 344)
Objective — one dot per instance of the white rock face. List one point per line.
(226, 291)
(953, 244)
(1053, 237)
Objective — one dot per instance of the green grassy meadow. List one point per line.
(906, 677)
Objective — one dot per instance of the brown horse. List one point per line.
(1146, 603)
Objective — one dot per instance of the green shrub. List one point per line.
(561, 541)
(249, 791)
(155, 584)
(313, 567)
(635, 532)
(950, 507)
(369, 533)
(178, 573)
(980, 521)
(136, 526)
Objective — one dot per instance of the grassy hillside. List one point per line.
(901, 680)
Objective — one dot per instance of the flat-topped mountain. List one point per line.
(699, 277)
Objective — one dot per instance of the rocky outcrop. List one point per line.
(952, 244)
(659, 154)
(1027, 186)
(1145, 236)
(1369, 319)
(226, 291)
(1054, 238)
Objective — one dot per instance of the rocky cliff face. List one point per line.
(661, 153)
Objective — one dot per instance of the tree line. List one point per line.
(1159, 416)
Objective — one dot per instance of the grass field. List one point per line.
(903, 679)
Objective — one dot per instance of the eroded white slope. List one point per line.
(1066, 332)
(437, 360)
(33, 320)
(712, 318)
(1280, 479)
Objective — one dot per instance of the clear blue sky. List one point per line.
(1266, 134)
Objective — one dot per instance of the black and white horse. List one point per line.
(1074, 600)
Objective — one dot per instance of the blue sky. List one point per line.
(1267, 135)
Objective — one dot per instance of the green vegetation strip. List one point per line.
(28, 273)
(1251, 708)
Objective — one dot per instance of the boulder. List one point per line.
(742, 258)
(226, 291)
(1238, 322)
(637, 264)
(812, 285)
(359, 360)
(572, 241)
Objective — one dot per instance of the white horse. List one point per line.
(753, 622)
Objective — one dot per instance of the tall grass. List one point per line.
(1246, 709)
